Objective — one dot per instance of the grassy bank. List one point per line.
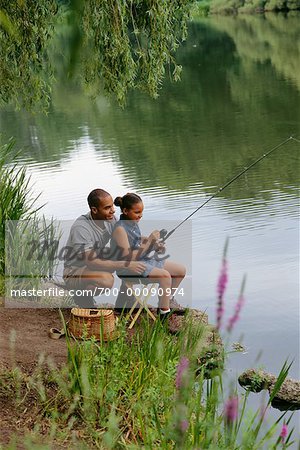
(144, 391)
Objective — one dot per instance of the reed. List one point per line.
(15, 194)
(20, 224)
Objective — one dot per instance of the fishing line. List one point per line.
(294, 139)
(164, 234)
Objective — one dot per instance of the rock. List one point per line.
(176, 323)
(288, 396)
(211, 351)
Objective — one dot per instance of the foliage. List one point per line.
(19, 222)
(24, 36)
(250, 6)
(155, 397)
(201, 8)
(131, 42)
(108, 44)
(30, 247)
(232, 7)
(15, 200)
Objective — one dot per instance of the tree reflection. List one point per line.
(230, 107)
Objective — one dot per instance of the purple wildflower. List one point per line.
(284, 432)
(181, 370)
(222, 282)
(236, 315)
(239, 304)
(183, 425)
(231, 409)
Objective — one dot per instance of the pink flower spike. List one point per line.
(223, 278)
(239, 304)
(232, 321)
(284, 433)
(181, 370)
(221, 287)
(231, 409)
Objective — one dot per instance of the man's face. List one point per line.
(105, 210)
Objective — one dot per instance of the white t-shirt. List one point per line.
(87, 234)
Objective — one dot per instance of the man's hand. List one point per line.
(136, 267)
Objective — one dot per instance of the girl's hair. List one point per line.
(127, 201)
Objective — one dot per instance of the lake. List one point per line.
(239, 97)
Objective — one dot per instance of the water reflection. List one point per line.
(222, 117)
(238, 98)
(230, 106)
(271, 39)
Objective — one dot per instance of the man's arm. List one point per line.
(107, 265)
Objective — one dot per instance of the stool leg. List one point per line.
(128, 286)
(145, 303)
(132, 309)
(150, 313)
(135, 317)
(142, 300)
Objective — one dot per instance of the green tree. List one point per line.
(110, 45)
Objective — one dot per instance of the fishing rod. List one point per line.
(164, 234)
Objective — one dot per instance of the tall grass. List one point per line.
(144, 392)
(20, 225)
(15, 202)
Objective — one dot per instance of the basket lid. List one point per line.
(84, 312)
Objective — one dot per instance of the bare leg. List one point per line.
(99, 279)
(88, 281)
(163, 277)
(177, 272)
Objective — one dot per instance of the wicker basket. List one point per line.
(88, 323)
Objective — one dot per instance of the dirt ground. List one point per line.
(24, 336)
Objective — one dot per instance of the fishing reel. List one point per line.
(163, 233)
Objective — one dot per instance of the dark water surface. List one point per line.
(239, 97)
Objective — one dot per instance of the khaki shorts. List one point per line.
(73, 277)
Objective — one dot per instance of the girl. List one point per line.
(127, 236)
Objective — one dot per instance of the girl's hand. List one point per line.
(160, 247)
(154, 236)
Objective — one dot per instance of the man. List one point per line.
(85, 265)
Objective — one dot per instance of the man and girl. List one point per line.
(89, 264)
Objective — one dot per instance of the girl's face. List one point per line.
(135, 212)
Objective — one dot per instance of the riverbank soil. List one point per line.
(24, 336)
